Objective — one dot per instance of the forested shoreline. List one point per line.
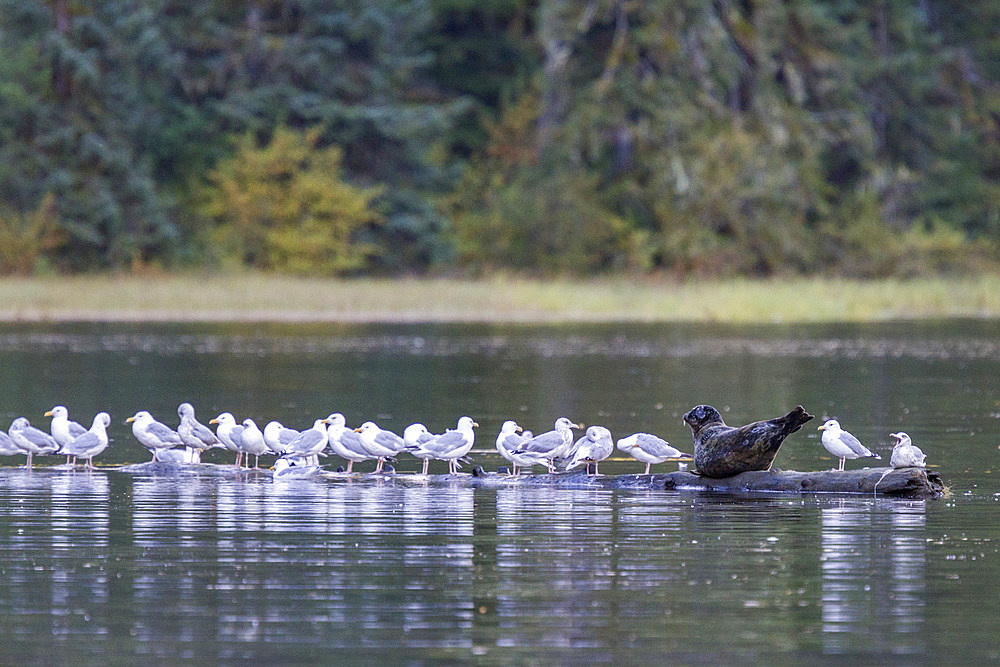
(544, 137)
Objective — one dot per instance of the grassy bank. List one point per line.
(270, 298)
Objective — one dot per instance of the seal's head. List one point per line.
(700, 416)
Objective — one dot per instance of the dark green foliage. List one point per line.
(541, 136)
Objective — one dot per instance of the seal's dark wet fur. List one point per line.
(721, 451)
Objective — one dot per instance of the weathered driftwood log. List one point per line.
(723, 451)
(901, 482)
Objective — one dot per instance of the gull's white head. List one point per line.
(830, 425)
(225, 418)
(58, 412)
(141, 417)
(510, 426)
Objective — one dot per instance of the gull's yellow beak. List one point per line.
(213, 421)
(48, 414)
(130, 420)
(822, 428)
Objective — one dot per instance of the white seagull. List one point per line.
(253, 442)
(595, 446)
(286, 470)
(345, 442)
(553, 444)
(31, 440)
(649, 449)
(90, 443)
(415, 436)
(63, 429)
(842, 444)
(905, 454)
(309, 443)
(379, 442)
(226, 425)
(277, 437)
(196, 436)
(453, 444)
(153, 435)
(509, 440)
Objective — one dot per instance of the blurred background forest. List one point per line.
(853, 138)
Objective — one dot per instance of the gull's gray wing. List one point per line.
(7, 446)
(447, 441)
(657, 446)
(204, 433)
(164, 434)
(544, 443)
(82, 443)
(39, 438)
(351, 441)
(514, 441)
(389, 440)
(305, 441)
(287, 435)
(854, 444)
(236, 435)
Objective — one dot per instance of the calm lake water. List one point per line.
(111, 567)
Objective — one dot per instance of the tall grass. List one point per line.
(255, 297)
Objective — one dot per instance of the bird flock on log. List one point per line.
(297, 452)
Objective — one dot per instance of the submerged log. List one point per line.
(903, 483)
(899, 482)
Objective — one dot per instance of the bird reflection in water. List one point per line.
(862, 544)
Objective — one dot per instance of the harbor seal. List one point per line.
(723, 451)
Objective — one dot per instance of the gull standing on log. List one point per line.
(253, 442)
(415, 436)
(454, 443)
(649, 449)
(309, 443)
(277, 437)
(63, 429)
(510, 439)
(595, 446)
(345, 442)
(842, 444)
(90, 443)
(31, 440)
(153, 435)
(196, 436)
(226, 424)
(553, 444)
(379, 442)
